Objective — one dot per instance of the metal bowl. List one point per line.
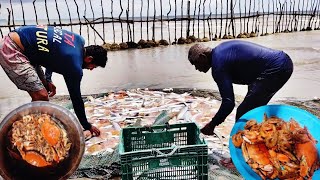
(13, 169)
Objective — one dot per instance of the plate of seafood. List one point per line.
(276, 142)
(36, 142)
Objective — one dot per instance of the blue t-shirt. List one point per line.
(59, 51)
(241, 62)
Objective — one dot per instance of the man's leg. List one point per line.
(20, 71)
(262, 90)
(256, 96)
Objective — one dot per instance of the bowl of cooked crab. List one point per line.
(40, 140)
(276, 142)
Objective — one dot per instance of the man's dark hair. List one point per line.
(98, 53)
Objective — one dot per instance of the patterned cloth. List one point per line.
(18, 67)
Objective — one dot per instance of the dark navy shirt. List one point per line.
(240, 62)
(58, 51)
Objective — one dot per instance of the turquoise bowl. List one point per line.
(285, 112)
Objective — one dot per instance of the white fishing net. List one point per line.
(106, 164)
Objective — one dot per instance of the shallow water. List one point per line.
(164, 67)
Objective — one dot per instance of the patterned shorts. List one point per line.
(18, 67)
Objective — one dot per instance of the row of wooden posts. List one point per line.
(216, 19)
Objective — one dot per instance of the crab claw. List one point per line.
(245, 151)
(237, 139)
(267, 168)
(304, 169)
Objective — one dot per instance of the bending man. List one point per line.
(264, 70)
(27, 49)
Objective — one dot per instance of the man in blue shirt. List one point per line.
(26, 49)
(264, 70)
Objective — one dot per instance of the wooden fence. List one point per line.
(126, 24)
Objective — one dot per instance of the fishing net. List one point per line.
(106, 165)
(218, 154)
(217, 171)
(103, 165)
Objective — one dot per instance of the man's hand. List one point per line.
(94, 131)
(51, 88)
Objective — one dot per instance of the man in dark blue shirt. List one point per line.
(264, 70)
(26, 49)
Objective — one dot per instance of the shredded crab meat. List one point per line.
(279, 149)
(26, 135)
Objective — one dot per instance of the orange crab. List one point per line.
(35, 159)
(306, 152)
(50, 132)
(286, 168)
(257, 156)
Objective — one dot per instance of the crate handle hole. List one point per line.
(166, 154)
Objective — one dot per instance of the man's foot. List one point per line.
(208, 129)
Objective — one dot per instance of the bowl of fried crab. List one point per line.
(276, 142)
(40, 140)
